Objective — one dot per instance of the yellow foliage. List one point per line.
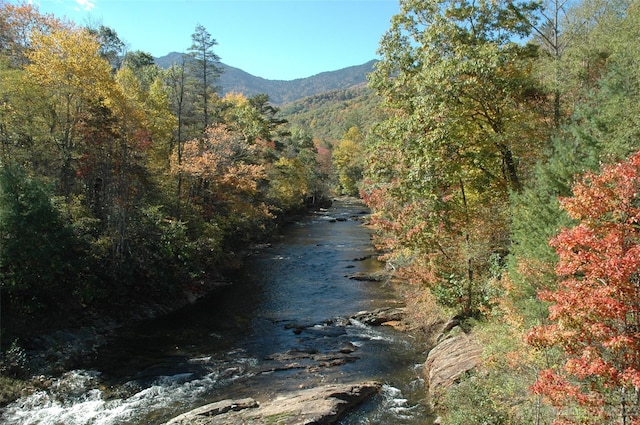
(236, 99)
(289, 184)
(68, 62)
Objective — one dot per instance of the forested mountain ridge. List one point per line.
(329, 115)
(234, 80)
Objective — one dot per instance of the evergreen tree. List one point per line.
(205, 67)
(39, 258)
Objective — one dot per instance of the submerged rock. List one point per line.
(378, 276)
(322, 406)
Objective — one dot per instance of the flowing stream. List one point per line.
(283, 324)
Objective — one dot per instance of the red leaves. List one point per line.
(595, 308)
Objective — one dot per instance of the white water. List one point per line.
(76, 398)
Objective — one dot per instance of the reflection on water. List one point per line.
(284, 324)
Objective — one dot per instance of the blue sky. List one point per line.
(274, 39)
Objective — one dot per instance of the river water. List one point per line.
(283, 324)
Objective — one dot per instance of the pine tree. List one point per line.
(205, 67)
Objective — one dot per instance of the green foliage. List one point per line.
(602, 129)
(348, 158)
(14, 369)
(473, 402)
(482, 139)
(498, 391)
(14, 362)
(204, 67)
(39, 252)
(461, 134)
(594, 310)
(328, 116)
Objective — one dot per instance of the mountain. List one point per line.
(330, 114)
(281, 92)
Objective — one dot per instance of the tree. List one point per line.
(223, 180)
(17, 25)
(573, 40)
(348, 158)
(68, 66)
(463, 129)
(138, 60)
(112, 49)
(253, 117)
(205, 67)
(39, 256)
(294, 177)
(595, 312)
(603, 128)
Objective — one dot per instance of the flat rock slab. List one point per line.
(449, 360)
(318, 406)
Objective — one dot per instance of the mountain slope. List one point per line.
(329, 115)
(281, 92)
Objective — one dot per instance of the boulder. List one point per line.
(380, 316)
(214, 409)
(454, 356)
(319, 406)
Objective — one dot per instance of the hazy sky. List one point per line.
(275, 39)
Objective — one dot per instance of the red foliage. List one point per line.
(596, 308)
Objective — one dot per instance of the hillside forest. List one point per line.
(497, 145)
(122, 182)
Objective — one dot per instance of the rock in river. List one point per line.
(323, 405)
(380, 316)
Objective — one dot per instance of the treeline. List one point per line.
(123, 183)
(503, 184)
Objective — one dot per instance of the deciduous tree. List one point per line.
(463, 129)
(223, 181)
(68, 66)
(595, 312)
(18, 23)
(348, 158)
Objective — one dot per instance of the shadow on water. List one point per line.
(283, 324)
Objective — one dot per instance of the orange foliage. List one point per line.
(18, 23)
(221, 173)
(595, 310)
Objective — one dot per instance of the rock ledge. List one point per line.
(455, 355)
(319, 406)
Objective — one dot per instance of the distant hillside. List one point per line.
(282, 92)
(330, 114)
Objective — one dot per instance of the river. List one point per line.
(283, 324)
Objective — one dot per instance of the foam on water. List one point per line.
(77, 399)
(368, 333)
(391, 407)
